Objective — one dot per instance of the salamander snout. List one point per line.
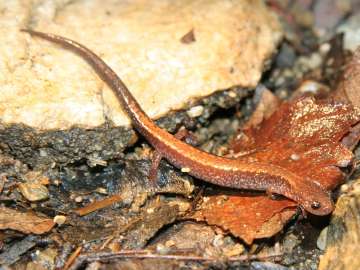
(313, 198)
(318, 203)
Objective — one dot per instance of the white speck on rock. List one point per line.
(195, 111)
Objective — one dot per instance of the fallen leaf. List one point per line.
(246, 216)
(303, 136)
(24, 222)
(266, 106)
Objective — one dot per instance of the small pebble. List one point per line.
(218, 240)
(314, 61)
(78, 199)
(93, 162)
(313, 87)
(150, 210)
(322, 239)
(101, 190)
(59, 219)
(295, 157)
(232, 94)
(185, 170)
(161, 249)
(205, 199)
(34, 191)
(324, 48)
(235, 250)
(344, 188)
(183, 205)
(43, 153)
(170, 243)
(195, 111)
(57, 182)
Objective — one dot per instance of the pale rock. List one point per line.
(59, 219)
(343, 234)
(34, 192)
(351, 29)
(34, 189)
(168, 52)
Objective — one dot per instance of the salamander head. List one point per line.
(309, 195)
(316, 201)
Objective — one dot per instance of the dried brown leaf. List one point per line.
(24, 222)
(266, 106)
(303, 136)
(246, 216)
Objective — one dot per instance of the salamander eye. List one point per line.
(315, 205)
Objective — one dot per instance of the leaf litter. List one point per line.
(310, 137)
(303, 136)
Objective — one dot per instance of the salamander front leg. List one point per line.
(181, 134)
(155, 162)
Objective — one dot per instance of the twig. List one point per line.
(98, 205)
(72, 258)
(107, 241)
(146, 254)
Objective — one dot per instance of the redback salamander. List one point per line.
(221, 171)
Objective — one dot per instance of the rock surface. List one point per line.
(348, 89)
(351, 29)
(343, 234)
(178, 52)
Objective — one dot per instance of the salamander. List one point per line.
(222, 171)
